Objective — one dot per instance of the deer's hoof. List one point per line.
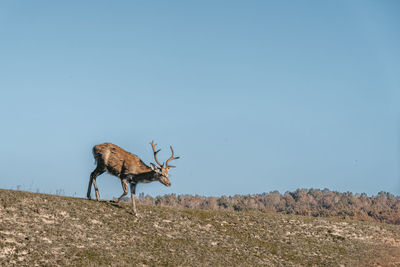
(136, 215)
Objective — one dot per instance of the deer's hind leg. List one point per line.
(98, 171)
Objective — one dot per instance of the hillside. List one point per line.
(53, 230)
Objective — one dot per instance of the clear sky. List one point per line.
(254, 96)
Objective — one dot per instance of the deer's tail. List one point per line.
(95, 154)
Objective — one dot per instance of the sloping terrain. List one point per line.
(48, 230)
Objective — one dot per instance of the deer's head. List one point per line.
(161, 171)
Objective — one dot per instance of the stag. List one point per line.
(129, 168)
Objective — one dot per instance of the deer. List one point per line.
(129, 168)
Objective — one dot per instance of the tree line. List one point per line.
(384, 207)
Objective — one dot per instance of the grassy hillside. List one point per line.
(53, 230)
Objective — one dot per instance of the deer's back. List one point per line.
(118, 161)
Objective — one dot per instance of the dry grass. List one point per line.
(48, 230)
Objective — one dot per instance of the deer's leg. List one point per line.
(92, 180)
(96, 189)
(90, 186)
(133, 190)
(125, 188)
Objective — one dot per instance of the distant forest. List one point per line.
(383, 207)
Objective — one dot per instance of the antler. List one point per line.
(155, 153)
(171, 158)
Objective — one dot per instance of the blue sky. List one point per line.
(254, 96)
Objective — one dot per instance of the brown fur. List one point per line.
(127, 167)
(119, 161)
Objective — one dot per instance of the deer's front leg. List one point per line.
(124, 184)
(133, 191)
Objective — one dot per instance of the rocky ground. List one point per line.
(47, 230)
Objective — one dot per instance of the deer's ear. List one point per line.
(153, 167)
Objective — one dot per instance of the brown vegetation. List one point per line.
(383, 207)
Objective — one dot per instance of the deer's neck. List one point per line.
(144, 177)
